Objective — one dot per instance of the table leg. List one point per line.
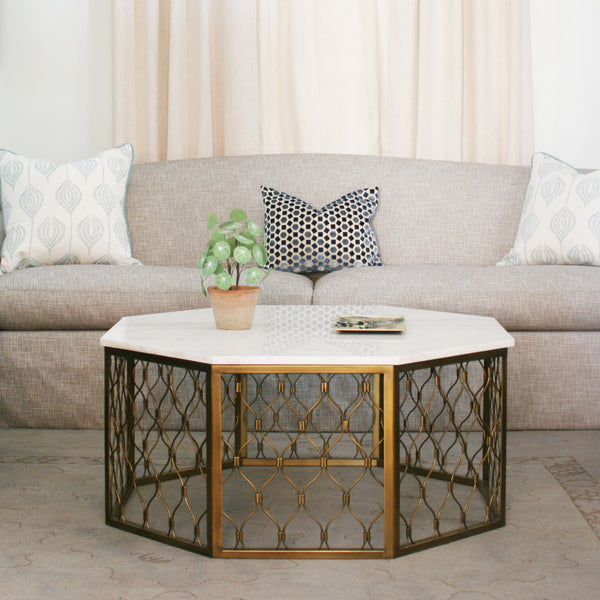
(214, 472)
(391, 491)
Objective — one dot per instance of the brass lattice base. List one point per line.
(296, 462)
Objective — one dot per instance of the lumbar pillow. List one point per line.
(72, 213)
(303, 239)
(560, 220)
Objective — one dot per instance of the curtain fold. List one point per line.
(445, 79)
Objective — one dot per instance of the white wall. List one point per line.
(56, 77)
(566, 79)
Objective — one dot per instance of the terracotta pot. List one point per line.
(234, 308)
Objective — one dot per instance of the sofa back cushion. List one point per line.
(430, 212)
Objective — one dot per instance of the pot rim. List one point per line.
(241, 288)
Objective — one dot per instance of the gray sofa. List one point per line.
(441, 227)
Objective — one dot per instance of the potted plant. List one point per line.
(235, 247)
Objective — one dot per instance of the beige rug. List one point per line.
(54, 544)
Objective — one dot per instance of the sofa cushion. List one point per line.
(72, 213)
(97, 296)
(559, 298)
(560, 219)
(303, 239)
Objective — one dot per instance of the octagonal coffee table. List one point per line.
(293, 440)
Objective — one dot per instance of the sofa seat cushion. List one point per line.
(95, 297)
(528, 298)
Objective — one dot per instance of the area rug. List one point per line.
(54, 543)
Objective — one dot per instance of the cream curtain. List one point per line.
(448, 79)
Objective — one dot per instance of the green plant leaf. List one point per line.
(210, 265)
(217, 236)
(212, 220)
(244, 239)
(222, 250)
(201, 260)
(260, 255)
(223, 281)
(253, 228)
(238, 215)
(229, 226)
(242, 255)
(253, 275)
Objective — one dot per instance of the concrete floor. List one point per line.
(54, 543)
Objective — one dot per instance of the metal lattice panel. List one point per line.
(155, 449)
(451, 456)
(243, 461)
(300, 485)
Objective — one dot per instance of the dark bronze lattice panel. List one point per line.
(451, 449)
(156, 449)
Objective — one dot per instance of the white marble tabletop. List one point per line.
(305, 335)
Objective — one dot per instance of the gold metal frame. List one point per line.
(211, 458)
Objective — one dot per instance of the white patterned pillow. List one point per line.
(303, 239)
(72, 213)
(560, 220)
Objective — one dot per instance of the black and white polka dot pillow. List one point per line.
(303, 239)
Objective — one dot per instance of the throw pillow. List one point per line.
(560, 220)
(72, 213)
(303, 239)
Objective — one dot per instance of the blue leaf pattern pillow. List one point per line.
(72, 213)
(560, 220)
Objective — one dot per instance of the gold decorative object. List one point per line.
(305, 462)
